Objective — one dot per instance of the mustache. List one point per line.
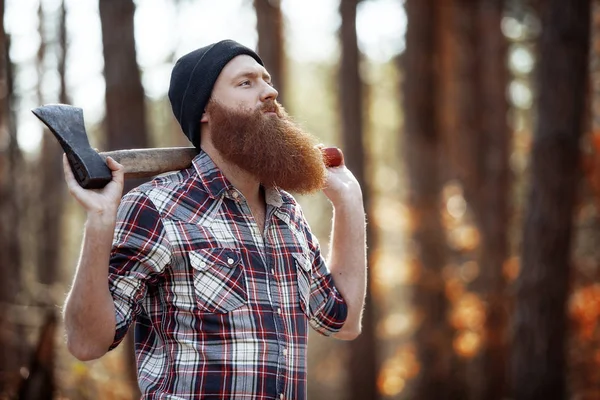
(271, 106)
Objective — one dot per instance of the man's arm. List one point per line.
(89, 312)
(347, 256)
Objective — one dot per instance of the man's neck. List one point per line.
(239, 178)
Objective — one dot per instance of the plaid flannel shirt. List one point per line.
(221, 310)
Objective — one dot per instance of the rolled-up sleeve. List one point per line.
(139, 255)
(328, 308)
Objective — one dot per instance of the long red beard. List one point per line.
(271, 147)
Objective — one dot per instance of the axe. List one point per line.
(89, 167)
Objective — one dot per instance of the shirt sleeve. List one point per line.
(328, 309)
(140, 253)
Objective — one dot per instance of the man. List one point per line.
(216, 264)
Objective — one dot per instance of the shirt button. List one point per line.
(281, 396)
(272, 271)
(230, 261)
(285, 352)
(278, 310)
(203, 264)
(235, 194)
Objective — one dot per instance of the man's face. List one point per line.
(243, 83)
(252, 131)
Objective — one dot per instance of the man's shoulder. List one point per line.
(166, 182)
(170, 192)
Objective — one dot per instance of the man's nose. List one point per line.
(269, 93)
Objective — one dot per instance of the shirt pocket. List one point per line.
(219, 280)
(304, 273)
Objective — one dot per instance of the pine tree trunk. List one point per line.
(51, 179)
(459, 135)
(433, 335)
(584, 338)
(269, 24)
(125, 109)
(492, 205)
(10, 252)
(540, 323)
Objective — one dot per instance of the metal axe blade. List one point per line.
(89, 167)
(66, 124)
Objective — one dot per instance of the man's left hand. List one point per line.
(341, 186)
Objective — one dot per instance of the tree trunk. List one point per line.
(433, 335)
(10, 257)
(125, 112)
(492, 204)
(125, 109)
(269, 24)
(51, 182)
(539, 348)
(364, 364)
(473, 111)
(464, 141)
(584, 337)
(459, 136)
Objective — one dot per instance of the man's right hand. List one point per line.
(98, 202)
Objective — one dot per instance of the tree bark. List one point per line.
(125, 109)
(269, 24)
(539, 349)
(473, 111)
(10, 251)
(422, 140)
(364, 363)
(457, 123)
(464, 141)
(492, 204)
(51, 182)
(584, 337)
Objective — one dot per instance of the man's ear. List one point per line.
(204, 117)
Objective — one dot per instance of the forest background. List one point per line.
(473, 127)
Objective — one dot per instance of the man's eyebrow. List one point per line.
(253, 75)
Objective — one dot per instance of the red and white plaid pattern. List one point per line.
(221, 311)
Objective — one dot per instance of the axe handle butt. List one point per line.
(144, 163)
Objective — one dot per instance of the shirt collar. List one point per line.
(273, 196)
(210, 177)
(216, 184)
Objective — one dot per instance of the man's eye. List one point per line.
(245, 83)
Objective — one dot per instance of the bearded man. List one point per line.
(215, 265)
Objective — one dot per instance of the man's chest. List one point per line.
(231, 265)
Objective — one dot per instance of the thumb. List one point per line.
(118, 170)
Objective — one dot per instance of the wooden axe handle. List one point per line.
(144, 163)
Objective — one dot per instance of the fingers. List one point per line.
(118, 171)
(113, 165)
(69, 176)
(118, 174)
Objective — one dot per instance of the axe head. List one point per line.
(66, 123)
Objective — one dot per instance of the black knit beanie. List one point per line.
(192, 81)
